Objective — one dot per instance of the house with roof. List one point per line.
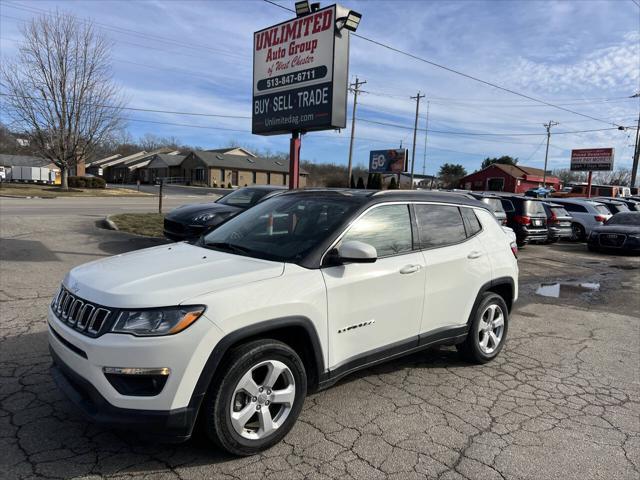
(237, 167)
(508, 178)
(166, 166)
(128, 169)
(10, 162)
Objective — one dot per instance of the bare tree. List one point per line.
(60, 90)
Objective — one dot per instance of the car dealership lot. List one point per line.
(560, 402)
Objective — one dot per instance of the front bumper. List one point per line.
(80, 361)
(174, 425)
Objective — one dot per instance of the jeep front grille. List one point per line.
(81, 315)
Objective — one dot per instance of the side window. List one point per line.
(471, 222)
(387, 228)
(570, 207)
(439, 225)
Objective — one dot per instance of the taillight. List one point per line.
(504, 221)
(601, 218)
(514, 249)
(554, 217)
(522, 219)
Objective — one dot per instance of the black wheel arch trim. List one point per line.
(250, 331)
(487, 287)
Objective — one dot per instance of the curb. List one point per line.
(110, 224)
(25, 196)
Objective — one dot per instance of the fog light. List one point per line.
(138, 382)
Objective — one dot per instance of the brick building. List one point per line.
(507, 178)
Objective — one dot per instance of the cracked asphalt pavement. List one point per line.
(562, 401)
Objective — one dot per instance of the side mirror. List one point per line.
(357, 252)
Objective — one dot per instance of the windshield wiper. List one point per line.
(228, 246)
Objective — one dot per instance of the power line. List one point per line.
(502, 134)
(457, 72)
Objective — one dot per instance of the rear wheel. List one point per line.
(488, 330)
(577, 232)
(258, 398)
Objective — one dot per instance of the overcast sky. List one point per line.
(195, 56)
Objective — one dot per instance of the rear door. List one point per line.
(377, 305)
(457, 264)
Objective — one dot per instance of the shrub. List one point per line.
(87, 182)
(229, 185)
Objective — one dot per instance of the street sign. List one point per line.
(592, 159)
(300, 74)
(388, 161)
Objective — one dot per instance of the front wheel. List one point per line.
(257, 399)
(488, 330)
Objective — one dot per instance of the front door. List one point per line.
(373, 306)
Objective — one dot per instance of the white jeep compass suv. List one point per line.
(287, 297)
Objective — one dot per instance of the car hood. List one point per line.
(626, 229)
(165, 275)
(186, 212)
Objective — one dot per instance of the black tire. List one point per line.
(578, 231)
(470, 349)
(217, 404)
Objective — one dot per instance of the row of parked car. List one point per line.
(605, 223)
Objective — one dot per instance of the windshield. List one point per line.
(624, 219)
(244, 197)
(494, 203)
(283, 228)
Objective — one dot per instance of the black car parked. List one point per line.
(620, 233)
(495, 203)
(558, 222)
(188, 222)
(527, 219)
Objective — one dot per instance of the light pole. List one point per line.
(546, 153)
(415, 131)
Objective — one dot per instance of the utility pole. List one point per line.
(546, 153)
(426, 131)
(355, 88)
(415, 131)
(636, 154)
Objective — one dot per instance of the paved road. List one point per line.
(561, 402)
(92, 206)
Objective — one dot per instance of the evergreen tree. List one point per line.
(360, 183)
(393, 185)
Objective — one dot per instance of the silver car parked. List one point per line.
(587, 214)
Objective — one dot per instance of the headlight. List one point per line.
(203, 217)
(160, 321)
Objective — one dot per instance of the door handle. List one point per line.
(474, 254)
(410, 269)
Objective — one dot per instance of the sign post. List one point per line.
(592, 160)
(300, 76)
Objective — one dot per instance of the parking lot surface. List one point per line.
(562, 401)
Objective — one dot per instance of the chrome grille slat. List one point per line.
(79, 314)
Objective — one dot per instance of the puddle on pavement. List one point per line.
(560, 289)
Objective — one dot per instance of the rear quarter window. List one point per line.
(560, 212)
(602, 209)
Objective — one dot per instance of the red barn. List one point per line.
(507, 178)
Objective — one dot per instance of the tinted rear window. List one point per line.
(507, 205)
(494, 203)
(560, 212)
(534, 208)
(439, 225)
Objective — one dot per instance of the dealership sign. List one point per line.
(388, 161)
(592, 159)
(300, 74)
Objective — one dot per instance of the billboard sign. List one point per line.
(592, 159)
(300, 74)
(388, 161)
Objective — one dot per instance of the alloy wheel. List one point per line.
(262, 399)
(491, 329)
